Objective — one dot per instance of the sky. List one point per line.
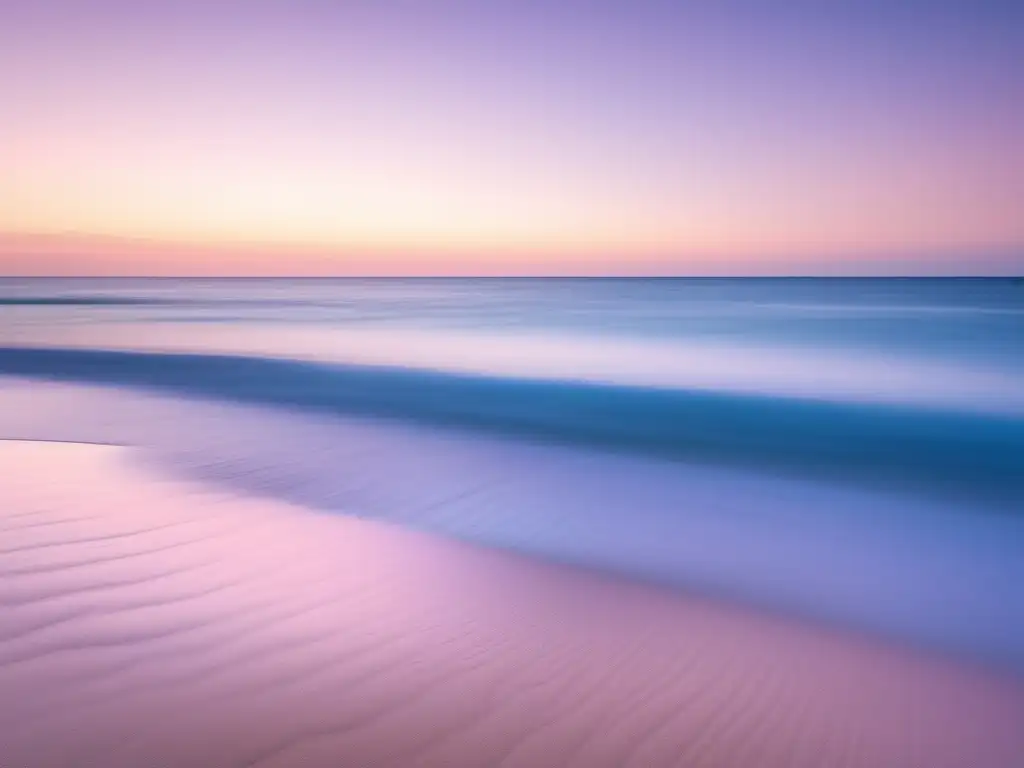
(511, 137)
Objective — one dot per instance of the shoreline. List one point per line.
(152, 619)
(923, 574)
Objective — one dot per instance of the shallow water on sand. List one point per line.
(848, 449)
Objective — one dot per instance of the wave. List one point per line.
(975, 455)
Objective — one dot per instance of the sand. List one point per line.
(151, 621)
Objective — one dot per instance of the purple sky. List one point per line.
(490, 137)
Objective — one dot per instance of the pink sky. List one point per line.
(452, 137)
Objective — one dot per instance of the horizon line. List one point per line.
(799, 276)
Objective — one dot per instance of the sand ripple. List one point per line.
(147, 621)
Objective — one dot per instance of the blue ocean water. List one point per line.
(851, 449)
(891, 380)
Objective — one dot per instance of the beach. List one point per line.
(511, 384)
(152, 621)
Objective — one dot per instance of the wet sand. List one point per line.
(150, 621)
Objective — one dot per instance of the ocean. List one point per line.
(849, 449)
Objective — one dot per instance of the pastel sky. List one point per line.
(511, 136)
